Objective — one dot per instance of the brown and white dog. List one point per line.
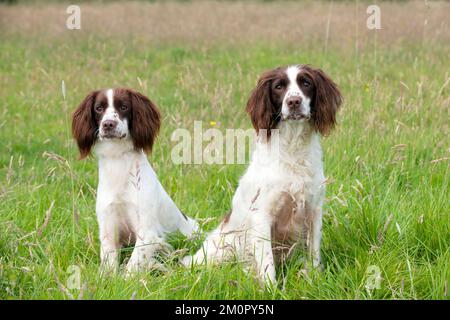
(279, 199)
(120, 125)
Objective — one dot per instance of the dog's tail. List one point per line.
(188, 226)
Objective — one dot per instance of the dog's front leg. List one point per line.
(316, 235)
(143, 255)
(109, 244)
(260, 239)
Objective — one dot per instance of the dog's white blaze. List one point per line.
(294, 90)
(111, 114)
(110, 97)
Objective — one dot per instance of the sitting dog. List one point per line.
(120, 126)
(279, 199)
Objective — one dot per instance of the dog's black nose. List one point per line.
(294, 102)
(109, 125)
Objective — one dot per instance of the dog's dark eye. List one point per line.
(306, 84)
(278, 86)
(124, 107)
(98, 108)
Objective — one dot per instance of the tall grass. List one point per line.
(386, 163)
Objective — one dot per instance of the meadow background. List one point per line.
(387, 162)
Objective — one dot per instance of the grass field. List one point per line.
(387, 205)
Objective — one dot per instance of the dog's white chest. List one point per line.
(119, 181)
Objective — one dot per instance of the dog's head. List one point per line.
(115, 115)
(294, 93)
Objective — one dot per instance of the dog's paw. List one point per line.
(134, 268)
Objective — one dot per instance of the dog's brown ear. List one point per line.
(145, 121)
(260, 107)
(84, 127)
(327, 101)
